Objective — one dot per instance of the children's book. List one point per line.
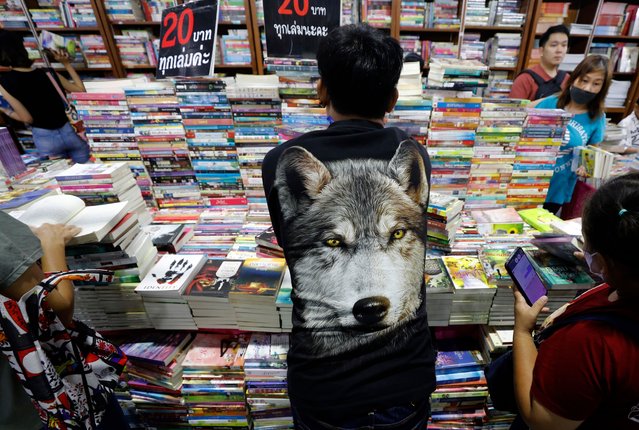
(494, 258)
(214, 281)
(436, 277)
(466, 273)
(95, 222)
(171, 275)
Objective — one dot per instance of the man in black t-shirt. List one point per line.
(348, 207)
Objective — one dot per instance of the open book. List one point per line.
(95, 221)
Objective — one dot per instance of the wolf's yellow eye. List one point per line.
(399, 233)
(333, 243)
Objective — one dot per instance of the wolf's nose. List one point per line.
(371, 310)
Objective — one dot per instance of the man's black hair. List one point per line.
(359, 67)
(552, 30)
(12, 50)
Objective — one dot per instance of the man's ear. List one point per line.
(299, 178)
(393, 101)
(322, 93)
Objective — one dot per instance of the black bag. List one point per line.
(499, 373)
(547, 88)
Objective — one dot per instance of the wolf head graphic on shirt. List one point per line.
(355, 238)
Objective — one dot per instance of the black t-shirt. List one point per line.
(354, 240)
(36, 92)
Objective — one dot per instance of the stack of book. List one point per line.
(439, 292)
(284, 303)
(507, 13)
(413, 116)
(232, 12)
(152, 9)
(472, 47)
(412, 13)
(208, 294)
(235, 47)
(457, 74)
(162, 288)
(499, 85)
(473, 295)
(266, 389)
(377, 13)
(254, 291)
(213, 382)
(154, 376)
(597, 162)
(257, 114)
(97, 184)
(477, 13)
(12, 15)
(460, 397)
(94, 51)
(217, 228)
(245, 245)
(123, 10)
(47, 18)
(77, 13)
(503, 50)
(11, 164)
(536, 154)
(444, 217)
(497, 136)
(451, 141)
(169, 238)
(274, 64)
(161, 140)
(618, 93)
(136, 48)
(208, 122)
(552, 14)
(610, 20)
(267, 245)
(111, 134)
(444, 14)
(301, 108)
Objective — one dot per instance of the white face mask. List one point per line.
(589, 260)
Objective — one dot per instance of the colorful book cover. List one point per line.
(215, 280)
(259, 277)
(436, 276)
(539, 219)
(268, 239)
(156, 348)
(171, 274)
(212, 350)
(494, 260)
(458, 360)
(558, 274)
(466, 272)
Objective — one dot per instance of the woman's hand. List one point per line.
(61, 56)
(55, 234)
(581, 172)
(526, 316)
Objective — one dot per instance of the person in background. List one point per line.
(584, 97)
(631, 125)
(35, 101)
(586, 375)
(545, 78)
(342, 201)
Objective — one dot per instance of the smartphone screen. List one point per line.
(524, 276)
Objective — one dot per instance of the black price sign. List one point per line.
(294, 28)
(187, 39)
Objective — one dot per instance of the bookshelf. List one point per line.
(452, 33)
(584, 13)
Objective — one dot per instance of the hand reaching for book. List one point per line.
(61, 56)
(55, 234)
(581, 172)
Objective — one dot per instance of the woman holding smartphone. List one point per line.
(584, 97)
(34, 99)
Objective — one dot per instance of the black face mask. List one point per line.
(581, 97)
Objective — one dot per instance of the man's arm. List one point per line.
(523, 87)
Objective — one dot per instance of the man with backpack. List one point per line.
(544, 79)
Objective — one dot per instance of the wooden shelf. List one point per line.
(233, 66)
(615, 110)
(502, 69)
(623, 74)
(493, 28)
(140, 67)
(85, 69)
(602, 37)
(231, 24)
(135, 23)
(59, 29)
(429, 30)
(572, 36)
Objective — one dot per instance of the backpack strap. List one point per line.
(542, 84)
(626, 326)
(538, 79)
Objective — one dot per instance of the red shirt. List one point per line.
(589, 370)
(525, 87)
